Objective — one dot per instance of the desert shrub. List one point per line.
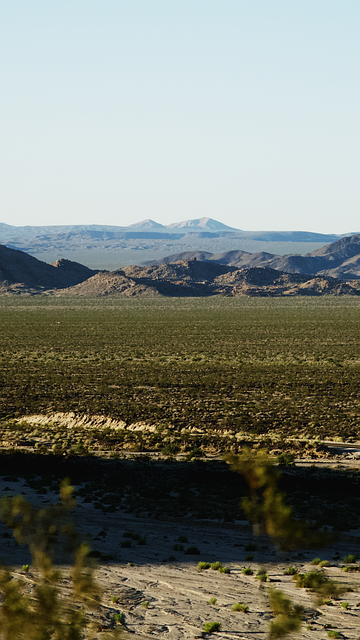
(249, 557)
(240, 606)
(119, 618)
(204, 565)
(192, 551)
(145, 604)
(115, 599)
(178, 547)
(194, 453)
(46, 615)
(210, 627)
(25, 568)
(345, 605)
(224, 570)
(213, 601)
(320, 585)
(262, 575)
(131, 534)
(215, 566)
(290, 571)
(170, 449)
(288, 616)
(324, 563)
(333, 634)
(315, 561)
(247, 571)
(286, 459)
(350, 558)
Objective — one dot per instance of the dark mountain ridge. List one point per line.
(17, 267)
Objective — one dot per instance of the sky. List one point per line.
(246, 111)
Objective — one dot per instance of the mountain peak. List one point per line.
(148, 224)
(201, 223)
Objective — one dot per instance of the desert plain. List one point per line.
(137, 401)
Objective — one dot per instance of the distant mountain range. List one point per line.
(22, 273)
(109, 247)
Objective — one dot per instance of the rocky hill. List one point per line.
(340, 259)
(192, 278)
(21, 272)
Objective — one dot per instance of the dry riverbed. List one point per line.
(161, 592)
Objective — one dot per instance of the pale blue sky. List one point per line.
(245, 111)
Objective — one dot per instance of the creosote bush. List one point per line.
(240, 606)
(266, 507)
(43, 615)
(211, 627)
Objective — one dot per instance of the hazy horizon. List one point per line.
(243, 112)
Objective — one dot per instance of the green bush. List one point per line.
(286, 459)
(192, 551)
(333, 634)
(215, 566)
(288, 617)
(249, 557)
(145, 604)
(223, 570)
(210, 627)
(204, 565)
(290, 571)
(25, 568)
(315, 561)
(131, 534)
(247, 571)
(350, 558)
(345, 605)
(262, 575)
(115, 599)
(324, 563)
(213, 601)
(46, 615)
(320, 585)
(119, 618)
(240, 606)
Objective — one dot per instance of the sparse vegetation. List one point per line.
(290, 571)
(213, 601)
(246, 571)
